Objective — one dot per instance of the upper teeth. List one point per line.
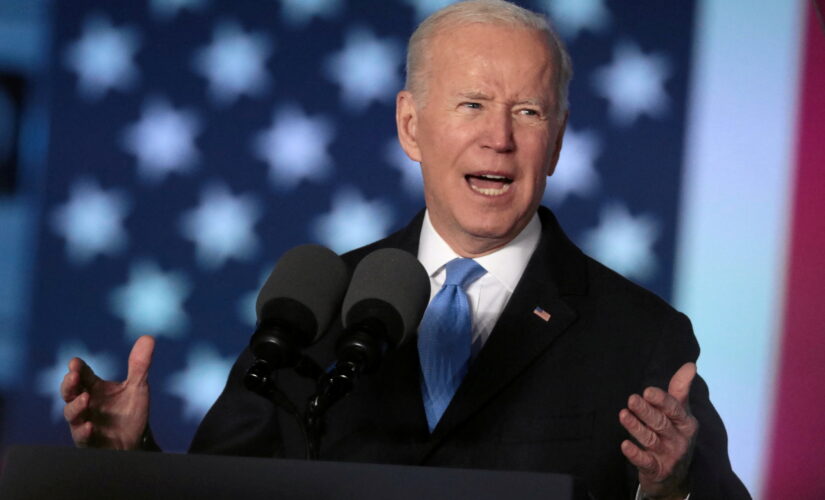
(494, 177)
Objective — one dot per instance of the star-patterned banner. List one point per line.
(192, 143)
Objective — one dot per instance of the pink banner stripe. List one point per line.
(797, 462)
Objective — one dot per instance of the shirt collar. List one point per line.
(506, 264)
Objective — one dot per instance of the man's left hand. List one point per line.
(662, 424)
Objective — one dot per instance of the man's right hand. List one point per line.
(106, 414)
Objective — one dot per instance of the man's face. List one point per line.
(487, 135)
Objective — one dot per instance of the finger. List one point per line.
(643, 460)
(82, 434)
(75, 411)
(679, 386)
(666, 403)
(643, 435)
(85, 372)
(70, 387)
(140, 359)
(656, 420)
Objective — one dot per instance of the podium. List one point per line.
(43, 472)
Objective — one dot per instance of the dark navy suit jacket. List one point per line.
(540, 396)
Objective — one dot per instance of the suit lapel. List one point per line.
(401, 391)
(555, 271)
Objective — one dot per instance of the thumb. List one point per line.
(679, 386)
(140, 359)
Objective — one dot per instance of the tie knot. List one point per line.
(462, 272)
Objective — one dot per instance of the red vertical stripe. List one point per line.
(796, 468)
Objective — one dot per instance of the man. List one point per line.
(569, 368)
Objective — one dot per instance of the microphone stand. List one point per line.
(331, 388)
(259, 380)
(358, 351)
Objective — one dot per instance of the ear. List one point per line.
(406, 121)
(557, 147)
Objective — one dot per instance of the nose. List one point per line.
(498, 132)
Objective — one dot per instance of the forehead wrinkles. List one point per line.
(461, 68)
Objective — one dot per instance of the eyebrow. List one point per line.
(481, 96)
(475, 95)
(532, 102)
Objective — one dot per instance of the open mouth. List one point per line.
(489, 184)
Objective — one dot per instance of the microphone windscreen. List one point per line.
(392, 286)
(304, 291)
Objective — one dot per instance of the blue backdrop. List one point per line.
(192, 142)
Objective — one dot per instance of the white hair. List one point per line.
(497, 12)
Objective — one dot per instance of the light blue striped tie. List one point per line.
(444, 338)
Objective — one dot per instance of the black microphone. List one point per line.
(294, 307)
(385, 301)
(383, 306)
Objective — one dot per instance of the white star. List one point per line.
(167, 9)
(48, 381)
(246, 303)
(91, 221)
(623, 242)
(201, 382)
(570, 17)
(151, 302)
(352, 222)
(299, 12)
(410, 170)
(163, 140)
(424, 8)
(103, 57)
(575, 172)
(222, 226)
(633, 84)
(295, 147)
(366, 69)
(234, 63)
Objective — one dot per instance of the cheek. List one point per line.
(536, 154)
(450, 138)
(436, 181)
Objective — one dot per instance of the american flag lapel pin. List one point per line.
(541, 313)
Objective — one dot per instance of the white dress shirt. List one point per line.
(489, 294)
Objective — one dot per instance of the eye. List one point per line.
(529, 112)
(471, 105)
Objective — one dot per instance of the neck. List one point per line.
(473, 246)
